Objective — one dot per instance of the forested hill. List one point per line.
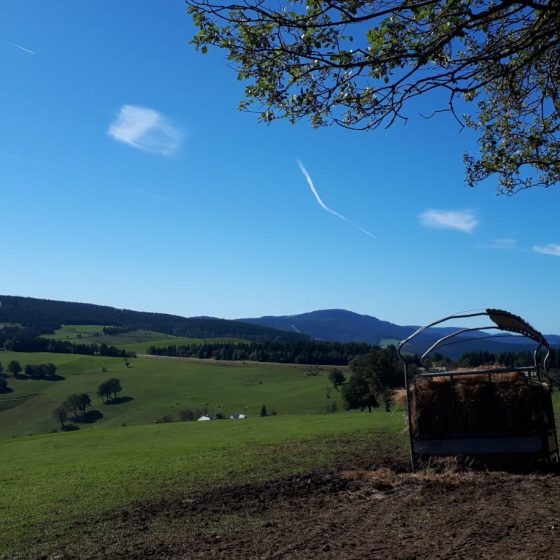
(42, 315)
(339, 325)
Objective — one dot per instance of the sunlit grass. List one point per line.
(51, 480)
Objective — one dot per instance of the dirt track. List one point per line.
(378, 513)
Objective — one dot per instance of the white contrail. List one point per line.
(22, 48)
(152, 194)
(324, 206)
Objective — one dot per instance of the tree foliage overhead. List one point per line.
(359, 63)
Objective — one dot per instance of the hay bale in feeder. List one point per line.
(477, 405)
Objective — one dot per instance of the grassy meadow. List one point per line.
(158, 387)
(52, 480)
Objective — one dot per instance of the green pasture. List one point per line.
(73, 332)
(158, 387)
(49, 481)
(138, 341)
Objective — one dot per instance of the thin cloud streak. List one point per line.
(22, 48)
(461, 220)
(501, 244)
(548, 249)
(324, 206)
(151, 194)
(145, 129)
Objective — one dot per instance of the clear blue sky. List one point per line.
(129, 178)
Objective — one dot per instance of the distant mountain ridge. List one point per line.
(336, 325)
(341, 325)
(44, 315)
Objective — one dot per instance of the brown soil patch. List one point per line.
(348, 514)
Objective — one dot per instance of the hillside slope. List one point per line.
(48, 315)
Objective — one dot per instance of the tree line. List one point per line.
(508, 359)
(23, 343)
(292, 352)
(31, 371)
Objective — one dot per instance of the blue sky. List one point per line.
(129, 178)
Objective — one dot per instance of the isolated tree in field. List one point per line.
(337, 378)
(360, 392)
(72, 404)
(61, 414)
(373, 377)
(110, 387)
(14, 367)
(263, 411)
(359, 64)
(84, 401)
(3, 385)
(1, 367)
(115, 386)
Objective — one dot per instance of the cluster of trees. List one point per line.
(373, 377)
(74, 407)
(295, 352)
(40, 371)
(75, 404)
(14, 367)
(112, 331)
(40, 344)
(3, 383)
(35, 371)
(110, 387)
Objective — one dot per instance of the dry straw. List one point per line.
(476, 404)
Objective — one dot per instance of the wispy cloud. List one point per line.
(462, 220)
(501, 244)
(152, 194)
(145, 129)
(549, 249)
(21, 48)
(324, 206)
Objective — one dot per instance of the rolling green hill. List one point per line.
(48, 315)
(158, 387)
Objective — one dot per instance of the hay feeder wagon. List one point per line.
(485, 412)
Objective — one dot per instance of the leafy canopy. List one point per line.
(359, 64)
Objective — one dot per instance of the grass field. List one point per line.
(138, 341)
(49, 481)
(158, 387)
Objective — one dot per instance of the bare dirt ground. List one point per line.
(379, 512)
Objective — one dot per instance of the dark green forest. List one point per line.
(45, 316)
(292, 352)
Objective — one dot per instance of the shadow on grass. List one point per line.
(119, 400)
(90, 417)
(23, 377)
(69, 428)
